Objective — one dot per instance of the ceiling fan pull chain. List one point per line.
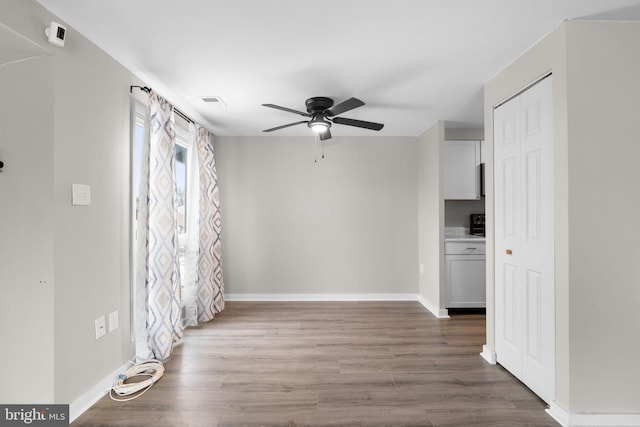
(323, 149)
(315, 148)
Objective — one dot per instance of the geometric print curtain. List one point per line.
(203, 295)
(209, 282)
(158, 302)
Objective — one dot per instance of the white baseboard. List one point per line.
(440, 313)
(558, 414)
(488, 355)
(88, 399)
(567, 419)
(320, 297)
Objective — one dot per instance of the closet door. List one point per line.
(524, 245)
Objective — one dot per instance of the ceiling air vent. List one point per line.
(214, 100)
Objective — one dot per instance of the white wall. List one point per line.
(71, 112)
(346, 224)
(457, 212)
(595, 67)
(463, 133)
(92, 242)
(431, 217)
(26, 232)
(603, 64)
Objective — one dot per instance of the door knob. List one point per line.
(509, 252)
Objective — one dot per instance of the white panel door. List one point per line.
(524, 245)
(507, 237)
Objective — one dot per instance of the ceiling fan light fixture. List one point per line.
(319, 127)
(319, 124)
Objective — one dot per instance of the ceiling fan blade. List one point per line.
(284, 126)
(344, 106)
(357, 123)
(325, 135)
(277, 107)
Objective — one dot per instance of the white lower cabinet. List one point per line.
(465, 266)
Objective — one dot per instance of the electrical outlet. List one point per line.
(101, 329)
(113, 321)
(421, 268)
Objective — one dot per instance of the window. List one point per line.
(136, 158)
(182, 141)
(181, 174)
(137, 139)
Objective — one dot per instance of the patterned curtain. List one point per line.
(158, 301)
(210, 284)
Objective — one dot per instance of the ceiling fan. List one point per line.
(322, 114)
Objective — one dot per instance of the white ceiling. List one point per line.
(412, 62)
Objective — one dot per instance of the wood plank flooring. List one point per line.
(329, 364)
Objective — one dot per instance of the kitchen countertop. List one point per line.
(461, 234)
(464, 238)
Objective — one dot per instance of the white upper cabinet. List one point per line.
(462, 170)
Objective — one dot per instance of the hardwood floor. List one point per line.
(329, 364)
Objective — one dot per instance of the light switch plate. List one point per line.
(101, 329)
(81, 194)
(113, 321)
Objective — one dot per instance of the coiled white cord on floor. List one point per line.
(149, 368)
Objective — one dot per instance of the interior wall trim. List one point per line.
(320, 297)
(524, 89)
(440, 313)
(568, 419)
(489, 355)
(88, 399)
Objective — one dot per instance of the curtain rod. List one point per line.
(178, 112)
